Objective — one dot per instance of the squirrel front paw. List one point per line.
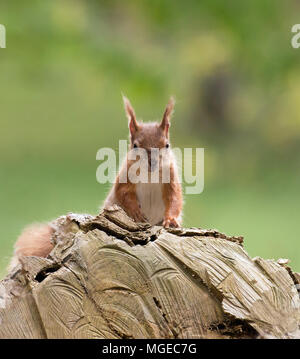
(171, 222)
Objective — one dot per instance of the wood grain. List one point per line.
(108, 277)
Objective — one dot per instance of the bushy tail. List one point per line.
(35, 240)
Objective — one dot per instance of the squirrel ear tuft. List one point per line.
(165, 123)
(132, 122)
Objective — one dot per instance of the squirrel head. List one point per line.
(149, 135)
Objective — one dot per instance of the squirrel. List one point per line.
(156, 202)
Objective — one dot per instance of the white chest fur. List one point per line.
(150, 199)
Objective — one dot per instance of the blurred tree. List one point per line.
(212, 96)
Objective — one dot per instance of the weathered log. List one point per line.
(108, 277)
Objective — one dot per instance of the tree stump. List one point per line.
(109, 277)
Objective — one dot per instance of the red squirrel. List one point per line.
(156, 203)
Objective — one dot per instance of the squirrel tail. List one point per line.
(35, 240)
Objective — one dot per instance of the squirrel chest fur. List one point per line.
(149, 196)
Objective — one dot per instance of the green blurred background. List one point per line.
(236, 79)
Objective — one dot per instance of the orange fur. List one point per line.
(126, 198)
(35, 240)
(172, 196)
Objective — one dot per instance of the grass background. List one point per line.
(237, 83)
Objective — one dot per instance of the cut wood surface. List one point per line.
(109, 277)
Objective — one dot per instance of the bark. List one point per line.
(108, 277)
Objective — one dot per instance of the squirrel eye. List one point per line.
(135, 145)
(167, 145)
